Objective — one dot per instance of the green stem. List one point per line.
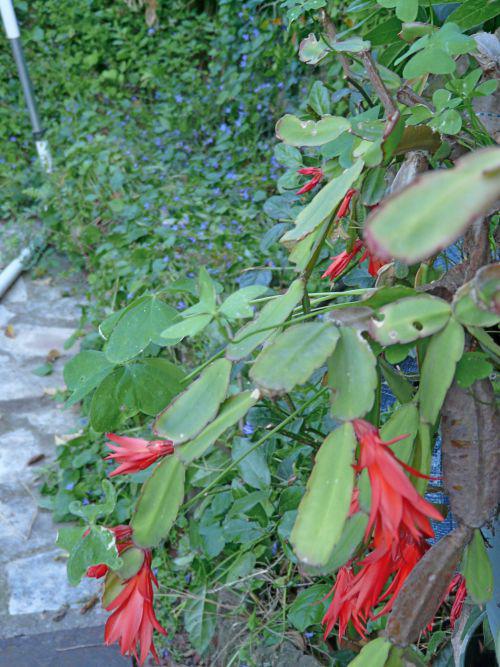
(260, 442)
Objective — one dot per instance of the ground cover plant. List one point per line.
(273, 370)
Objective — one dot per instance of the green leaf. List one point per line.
(352, 376)
(312, 50)
(322, 205)
(405, 420)
(294, 355)
(43, 370)
(91, 512)
(476, 302)
(309, 607)
(113, 586)
(447, 122)
(406, 10)
(351, 538)
(158, 504)
(138, 327)
(373, 654)
(373, 187)
(432, 60)
(296, 132)
(324, 508)
(188, 326)
(113, 402)
(84, 372)
(200, 618)
(319, 99)
(473, 13)
(69, 536)
(232, 410)
(237, 306)
(288, 156)
(471, 367)
(477, 570)
(274, 313)
(443, 352)
(155, 383)
(132, 558)
(408, 319)
(186, 416)
(398, 384)
(350, 45)
(253, 468)
(404, 225)
(96, 548)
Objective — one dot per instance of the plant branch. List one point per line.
(331, 35)
(381, 89)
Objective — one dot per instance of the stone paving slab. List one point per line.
(64, 648)
(35, 596)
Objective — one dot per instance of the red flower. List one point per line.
(317, 175)
(458, 603)
(136, 454)
(374, 265)
(396, 506)
(123, 541)
(342, 261)
(458, 583)
(344, 206)
(341, 609)
(356, 596)
(133, 618)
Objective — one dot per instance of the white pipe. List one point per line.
(13, 270)
(9, 19)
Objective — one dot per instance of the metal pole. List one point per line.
(16, 267)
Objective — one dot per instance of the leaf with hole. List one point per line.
(293, 356)
(324, 508)
(408, 319)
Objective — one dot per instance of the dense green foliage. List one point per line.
(165, 163)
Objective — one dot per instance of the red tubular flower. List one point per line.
(344, 206)
(341, 610)
(458, 583)
(122, 538)
(133, 619)
(135, 454)
(374, 265)
(395, 504)
(317, 175)
(356, 596)
(342, 261)
(458, 602)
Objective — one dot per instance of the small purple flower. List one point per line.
(248, 429)
(70, 486)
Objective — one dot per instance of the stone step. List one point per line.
(62, 648)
